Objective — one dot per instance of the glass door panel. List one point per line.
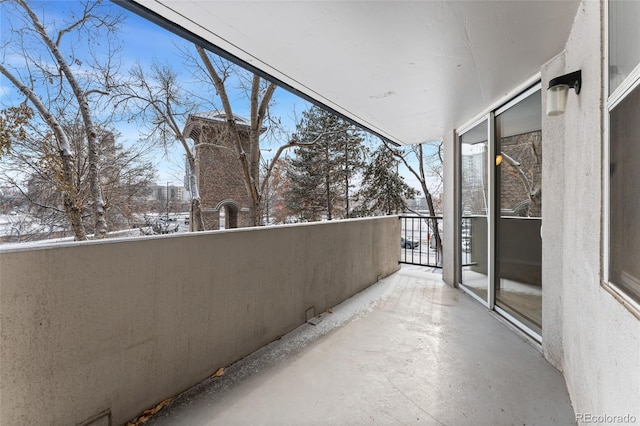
(518, 284)
(474, 231)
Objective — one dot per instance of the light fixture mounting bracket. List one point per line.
(573, 80)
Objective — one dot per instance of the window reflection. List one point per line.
(518, 242)
(474, 204)
(624, 203)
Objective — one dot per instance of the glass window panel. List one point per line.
(519, 196)
(624, 202)
(624, 40)
(519, 138)
(474, 207)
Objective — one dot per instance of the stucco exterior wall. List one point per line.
(121, 325)
(586, 331)
(553, 147)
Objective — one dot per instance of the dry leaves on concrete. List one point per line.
(218, 373)
(147, 414)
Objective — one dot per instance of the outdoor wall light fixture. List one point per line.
(558, 90)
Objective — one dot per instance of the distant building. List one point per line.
(174, 194)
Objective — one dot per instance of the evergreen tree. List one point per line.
(321, 172)
(352, 155)
(305, 197)
(383, 190)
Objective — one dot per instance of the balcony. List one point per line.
(407, 350)
(96, 332)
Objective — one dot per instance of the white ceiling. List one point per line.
(408, 70)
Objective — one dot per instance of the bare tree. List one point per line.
(126, 173)
(157, 99)
(260, 95)
(56, 80)
(428, 165)
(225, 79)
(64, 170)
(20, 224)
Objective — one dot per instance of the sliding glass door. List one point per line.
(501, 205)
(474, 205)
(518, 284)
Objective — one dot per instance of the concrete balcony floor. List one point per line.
(408, 350)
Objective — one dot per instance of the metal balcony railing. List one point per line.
(421, 240)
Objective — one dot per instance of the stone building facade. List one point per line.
(218, 171)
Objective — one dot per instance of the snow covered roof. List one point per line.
(221, 117)
(191, 131)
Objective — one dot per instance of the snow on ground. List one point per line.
(29, 226)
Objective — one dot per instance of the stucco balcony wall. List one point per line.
(113, 327)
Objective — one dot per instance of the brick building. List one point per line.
(521, 174)
(218, 171)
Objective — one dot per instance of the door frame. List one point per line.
(493, 213)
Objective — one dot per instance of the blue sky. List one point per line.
(144, 42)
(147, 41)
